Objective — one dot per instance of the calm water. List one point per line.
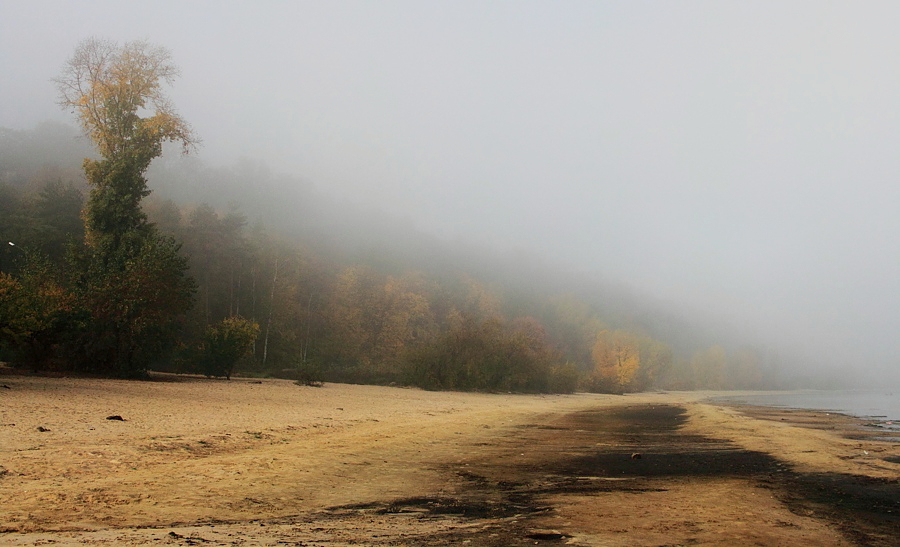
(880, 406)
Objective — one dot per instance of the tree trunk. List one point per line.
(269, 320)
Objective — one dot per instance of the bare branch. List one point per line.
(108, 86)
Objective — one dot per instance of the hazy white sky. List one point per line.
(738, 156)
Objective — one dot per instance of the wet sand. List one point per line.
(250, 462)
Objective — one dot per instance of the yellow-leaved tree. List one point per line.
(131, 281)
(616, 356)
(116, 93)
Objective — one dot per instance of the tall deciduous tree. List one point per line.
(116, 93)
(108, 87)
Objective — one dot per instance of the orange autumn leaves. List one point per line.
(626, 361)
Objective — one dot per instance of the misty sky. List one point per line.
(741, 158)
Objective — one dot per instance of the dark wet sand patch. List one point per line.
(592, 453)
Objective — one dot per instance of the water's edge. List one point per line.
(879, 410)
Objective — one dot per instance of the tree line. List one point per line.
(323, 318)
(106, 281)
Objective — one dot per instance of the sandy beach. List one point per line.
(267, 462)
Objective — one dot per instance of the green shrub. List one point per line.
(225, 344)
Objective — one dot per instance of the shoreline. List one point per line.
(828, 403)
(846, 425)
(255, 462)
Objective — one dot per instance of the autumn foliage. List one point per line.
(119, 285)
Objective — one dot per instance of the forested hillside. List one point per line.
(341, 293)
(225, 270)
